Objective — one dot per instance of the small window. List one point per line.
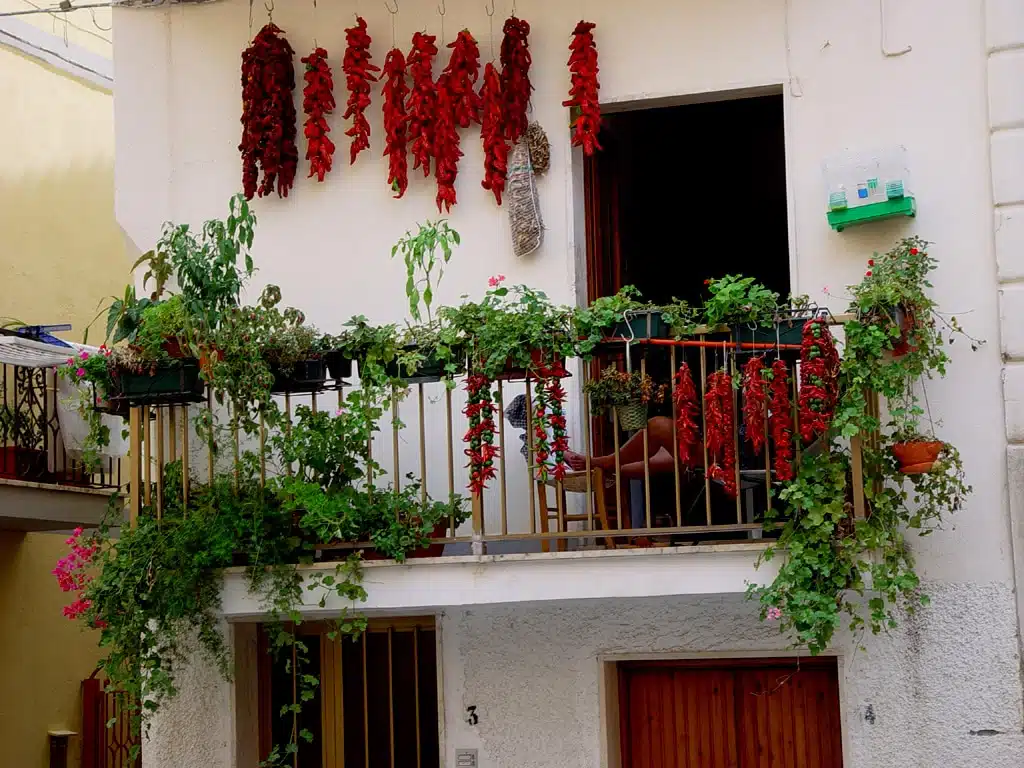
(376, 705)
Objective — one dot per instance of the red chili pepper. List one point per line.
(317, 103)
(422, 103)
(358, 74)
(755, 403)
(584, 88)
(780, 421)
(396, 121)
(515, 76)
(268, 115)
(492, 134)
(684, 397)
(719, 416)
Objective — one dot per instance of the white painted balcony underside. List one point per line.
(430, 584)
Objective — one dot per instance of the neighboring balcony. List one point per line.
(43, 485)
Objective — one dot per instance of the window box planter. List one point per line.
(173, 384)
(648, 324)
(339, 365)
(305, 376)
(432, 550)
(431, 369)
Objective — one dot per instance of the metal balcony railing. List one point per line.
(625, 489)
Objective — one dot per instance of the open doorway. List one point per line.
(678, 195)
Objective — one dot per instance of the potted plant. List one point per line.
(514, 333)
(629, 393)
(622, 316)
(429, 349)
(296, 354)
(739, 301)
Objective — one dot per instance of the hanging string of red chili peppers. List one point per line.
(480, 437)
(446, 147)
(317, 103)
(396, 121)
(551, 400)
(461, 74)
(492, 134)
(684, 397)
(819, 379)
(780, 421)
(358, 75)
(719, 413)
(584, 88)
(268, 115)
(755, 410)
(422, 100)
(515, 76)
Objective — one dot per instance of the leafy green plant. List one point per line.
(518, 327)
(597, 321)
(739, 300)
(837, 564)
(420, 254)
(161, 323)
(617, 388)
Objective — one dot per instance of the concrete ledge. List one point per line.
(431, 584)
(1007, 160)
(28, 506)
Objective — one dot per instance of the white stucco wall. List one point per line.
(942, 690)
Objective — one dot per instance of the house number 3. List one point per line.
(471, 716)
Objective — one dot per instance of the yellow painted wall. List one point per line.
(61, 251)
(43, 656)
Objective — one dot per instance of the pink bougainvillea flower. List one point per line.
(84, 355)
(773, 614)
(495, 281)
(71, 361)
(80, 372)
(338, 412)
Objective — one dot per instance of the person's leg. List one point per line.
(660, 434)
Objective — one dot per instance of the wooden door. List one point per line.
(760, 715)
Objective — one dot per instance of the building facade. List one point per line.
(533, 650)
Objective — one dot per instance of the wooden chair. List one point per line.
(574, 482)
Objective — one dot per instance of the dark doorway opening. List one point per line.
(680, 194)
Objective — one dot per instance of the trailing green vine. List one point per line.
(833, 563)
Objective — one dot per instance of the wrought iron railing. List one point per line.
(32, 445)
(626, 488)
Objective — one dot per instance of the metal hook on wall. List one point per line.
(881, 23)
(441, 11)
(270, 10)
(490, 23)
(394, 14)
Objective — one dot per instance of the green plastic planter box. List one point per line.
(177, 382)
(642, 325)
(304, 376)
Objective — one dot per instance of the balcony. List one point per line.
(43, 484)
(640, 519)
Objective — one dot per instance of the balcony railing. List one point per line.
(32, 444)
(627, 488)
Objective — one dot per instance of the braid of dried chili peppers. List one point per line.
(268, 115)
(422, 102)
(492, 134)
(555, 401)
(358, 75)
(461, 75)
(396, 121)
(819, 379)
(480, 437)
(515, 77)
(684, 397)
(541, 444)
(755, 404)
(317, 103)
(718, 408)
(583, 91)
(780, 421)
(446, 147)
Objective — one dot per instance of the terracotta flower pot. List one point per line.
(207, 356)
(172, 346)
(917, 456)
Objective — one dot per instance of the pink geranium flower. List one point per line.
(84, 355)
(495, 281)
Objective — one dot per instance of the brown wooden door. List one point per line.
(760, 715)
